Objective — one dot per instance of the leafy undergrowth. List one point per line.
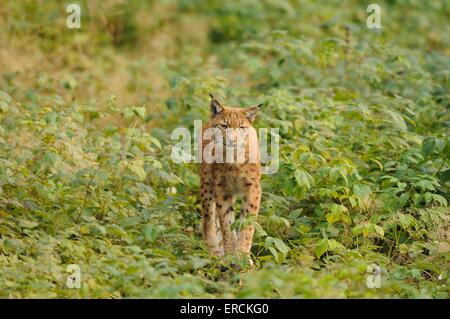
(363, 179)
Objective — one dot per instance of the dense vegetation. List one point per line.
(86, 176)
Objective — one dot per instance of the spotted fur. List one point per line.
(222, 183)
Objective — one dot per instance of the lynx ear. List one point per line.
(251, 113)
(216, 107)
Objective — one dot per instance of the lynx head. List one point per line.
(233, 123)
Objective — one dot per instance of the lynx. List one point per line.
(222, 181)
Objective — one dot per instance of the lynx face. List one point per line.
(232, 128)
(233, 123)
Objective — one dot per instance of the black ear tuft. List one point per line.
(216, 107)
(251, 113)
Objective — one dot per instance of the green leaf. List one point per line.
(274, 253)
(428, 145)
(97, 229)
(440, 199)
(322, 248)
(28, 224)
(406, 221)
(281, 246)
(303, 179)
(333, 217)
(5, 97)
(154, 141)
(379, 230)
(337, 212)
(362, 192)
(445, 176)
(139, 111)
(397, 120)
(135, 249)
(150, 233)
(137, 167)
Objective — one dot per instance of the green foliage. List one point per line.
(86, 177)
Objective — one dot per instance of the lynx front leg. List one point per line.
(209, 221)
(250, 206)
(224, 209)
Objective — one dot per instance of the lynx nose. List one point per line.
(231, 137)
(230, 142)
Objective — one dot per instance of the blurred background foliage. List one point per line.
(86, 176)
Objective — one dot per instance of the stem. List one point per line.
(440, 168)
(85, 198)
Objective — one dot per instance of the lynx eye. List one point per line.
(222, 126)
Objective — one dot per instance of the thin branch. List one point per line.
(85, 198)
